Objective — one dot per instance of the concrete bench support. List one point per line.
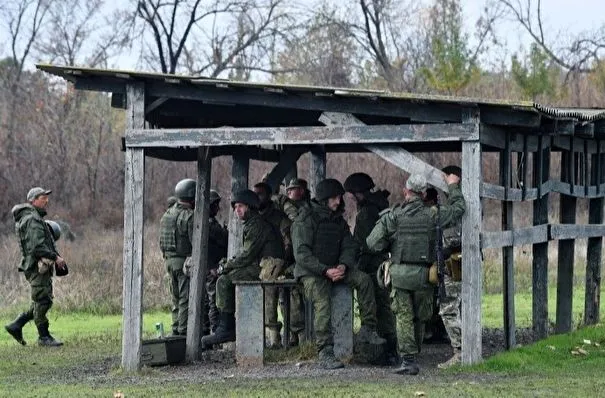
(249, 341)
(342, 320)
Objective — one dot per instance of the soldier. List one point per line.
(409, 233)
(326, 253)
(369, 205)
(176, 235)
(279, 222)
(296, 192)
(263, 250)
(218, 238)
(449, 308)
(40, 257)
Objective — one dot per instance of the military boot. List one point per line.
(45, 339)
(454, 360)
(327, 360)
(15, 328)
(224, 332)
(408, 366)
(392, 357)
(369, 336)
(272, 338)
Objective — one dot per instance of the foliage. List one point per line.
(535, 76)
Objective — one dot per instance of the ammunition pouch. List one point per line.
(434, 274)
(454, 266)
(411, 277)
(383, 275)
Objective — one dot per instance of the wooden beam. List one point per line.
(199, 257)
(134, 189)
(541, 163)
(318, 167)
(239, 181)
(508, 274)
(569, 231)
(472, 281)
(515, 237)
(592, 298)
(299, 135)
(565, 263)
(395, 155)
(287, 163)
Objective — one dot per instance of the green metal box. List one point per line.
(164, 351)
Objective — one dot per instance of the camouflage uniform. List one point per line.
(176, 235)
(218, 238)
(36, 242)
(408, 232)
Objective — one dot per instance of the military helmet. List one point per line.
(453, 170)
(55, 228)
(328, 188)
(246, 197)
(214, 196)
(358, 182)
(185, 189)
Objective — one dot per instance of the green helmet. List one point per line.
(328, 188)
(214, 196)
(246, 197)
(358, 182)
(185, 189)
(55, 228)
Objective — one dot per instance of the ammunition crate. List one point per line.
(164, 351)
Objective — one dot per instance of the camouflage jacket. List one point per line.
(281, 223)
(218, 238)
(35, 238)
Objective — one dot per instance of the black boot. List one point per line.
(45, 339)
(408, 366)
(224, 332)
(15, 329)
(391, 355)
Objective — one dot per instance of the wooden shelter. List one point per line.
(193, 119)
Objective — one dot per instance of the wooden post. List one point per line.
(199, 258)
(507, 252)
(318, 167)
(592, 299)
(239, 181)
(567, 215)
(540, 250)
(134, 188)
(472, 280)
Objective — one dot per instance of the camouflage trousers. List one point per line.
(225, 289)
(318, 290)
(179, 292)
(41, 296)
(297, 309)
(449, 309)
(412, 309)
(270, 269)
(386, 326)
(210, 303)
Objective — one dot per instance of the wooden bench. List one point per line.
(249, 315)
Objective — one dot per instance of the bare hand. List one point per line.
(60, 261)
(334, 274)
(452, 179)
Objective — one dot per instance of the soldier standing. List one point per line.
(263, 249)
(369, 205)
(409, 233)
(39, 259)
(326, 253)
(176, 235)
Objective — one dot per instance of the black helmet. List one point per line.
(246, 197)
(358, 182)
(453, 170)
(214, 196)
(55, 228)
(185, 189)
(328, 188)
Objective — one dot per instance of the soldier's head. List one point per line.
(431, 197)
(455, 170)
(38, 197)
(185, 191)
(329, 192)
(215, 203)
(263, 191)
(55, 229)
(243, 202)
(416, 185)
(296, 189)
(359, 185)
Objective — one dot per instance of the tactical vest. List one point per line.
(415, 236)
(327, 241)
(174, 237)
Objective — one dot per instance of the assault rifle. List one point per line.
(439, 250)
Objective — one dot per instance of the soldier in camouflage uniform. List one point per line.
(278, 220)
(369, 205)
(326, 253)
(449, 308)
(176, 235)
(295, 197)
(408, 232)
(263, 250)
(39, 258)
(218, 238)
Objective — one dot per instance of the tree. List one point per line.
(536, 76)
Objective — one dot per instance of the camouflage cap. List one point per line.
(297, 183)
(416, 183)
(37, 191)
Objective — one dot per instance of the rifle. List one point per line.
(439, 250)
